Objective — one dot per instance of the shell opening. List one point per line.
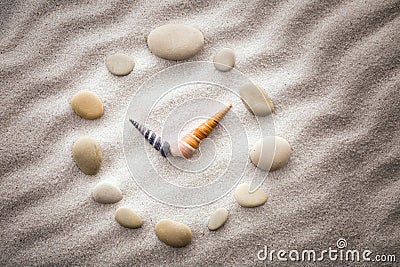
(188, 145)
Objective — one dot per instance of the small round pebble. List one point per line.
(217, 219)
(87, 104)
(265, 157)
(173, 233)
(256, 100)
(128, 218)
(175, 41)
(249, 200)
(87, 155)
(224, 59)
(120, 64)
(106, 193)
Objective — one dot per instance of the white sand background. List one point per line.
(332, 69)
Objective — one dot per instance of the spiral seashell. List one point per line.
(153, 139)
(190, 142)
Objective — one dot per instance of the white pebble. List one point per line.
(218, 219)
(249, 200)
(270, 153)
(175, 41)
(106, 193)
(120, 64)
(256, 100)
(128, 218)
(224, 59)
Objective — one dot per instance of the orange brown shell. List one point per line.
(190, 142)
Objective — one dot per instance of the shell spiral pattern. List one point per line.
(152, 138)
(190, 142)
(334, 71)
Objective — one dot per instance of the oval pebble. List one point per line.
(218, 218)
(173, 233)
(249, 200)
(106, 193)
(87, 155)
(265, 157)
(128, 218)
(256, 100)
(224, 59)
(120, 64)
(87, 104)
(175, 41)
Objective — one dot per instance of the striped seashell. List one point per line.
(190, 142)
(153, 139)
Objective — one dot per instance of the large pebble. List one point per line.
(128, 218)
(224, 59)
(218, 218)
(256, 100)
(249, 200)
(106, 193)
(120, 64)
(270, 153)
(87, 155)
(175, 41)
(87, 104)
(173, 233)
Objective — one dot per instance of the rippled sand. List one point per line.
(332, 69)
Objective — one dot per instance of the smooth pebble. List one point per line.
(256, 100)
(175, 41)
(224, 59)
(249, 200)
(173, 233)
(106, 193)
(87, 104)
(120, 64)
(218, 218)
(128, 218)
(265, 157)
(87, 155)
